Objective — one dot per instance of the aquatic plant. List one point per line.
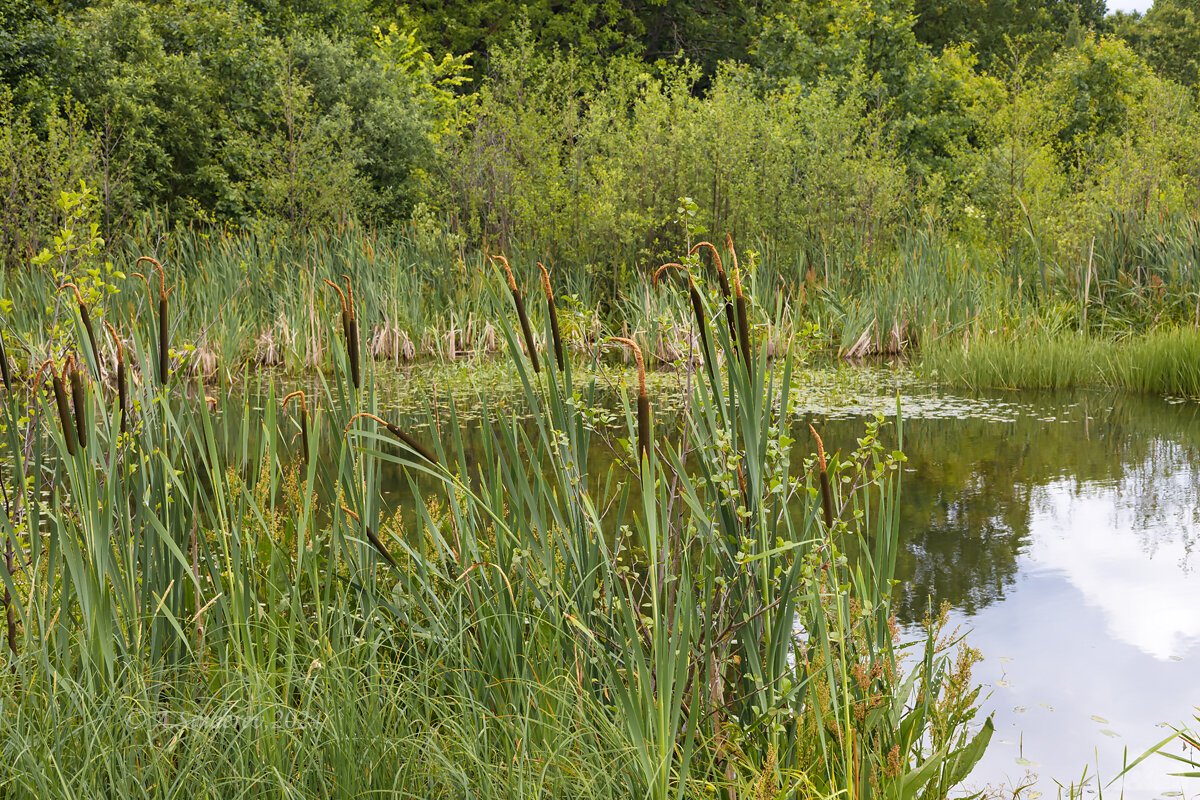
(122, 389)
(645, 435)
(555, 334)
(522, 316)
(689, 620)
(164, 333)
(86, 319)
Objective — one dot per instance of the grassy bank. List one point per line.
(1163, 361)
(249, 298)
(186, 613)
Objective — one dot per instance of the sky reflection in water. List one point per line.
(1063, 529)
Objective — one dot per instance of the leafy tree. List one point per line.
(29, 35)
(1168, 37)
(990, 26)
(806, 40)
(944, 105)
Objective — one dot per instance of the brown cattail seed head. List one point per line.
(71, 374)
(716, 257)
(637, 357)
(122, 396)
(672, 265)
(820, 449)
(555, 335)
(512, 282)
(399, 433)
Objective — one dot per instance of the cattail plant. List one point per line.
(526, 329)
(352, 342)
(826, 494)
(375, 541)
(347, 331)
(164, 335)
(400, 434)
(60, 403)
(71, 374)
(554, 332)
(743, 321)
(697, 309)
(4, 373)
(723, 279)
(645, 442)
(299, 396)
(85, 318)
(122, 391)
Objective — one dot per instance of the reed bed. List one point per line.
(203, 608)
(248, 298)
(1161, 361)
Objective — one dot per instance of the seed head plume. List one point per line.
(826, 492)
(723, 279)
(350, 296)
(299, 396)
(162, 275)
(122, 396)
(60, 403)
(341, 294)
(519, 302)
(645, 434)
(375, 542)
(743, 321)
(349, 327)
(512, 282)
(144, 280)
(395, 430)
(163, 326)
(658, 273)
(37, 375)
(716, 257)
(71, 375)
(555, 335)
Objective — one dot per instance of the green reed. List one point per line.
(509, 641)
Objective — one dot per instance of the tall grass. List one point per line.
(200, 612)
(1161, 361)
(247, 297)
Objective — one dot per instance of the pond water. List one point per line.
(1063, 529)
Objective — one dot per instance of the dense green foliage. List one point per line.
(897, 167)
(198, 607)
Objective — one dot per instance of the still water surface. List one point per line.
(1063, 529)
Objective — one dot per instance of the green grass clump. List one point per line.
(1162, 361)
